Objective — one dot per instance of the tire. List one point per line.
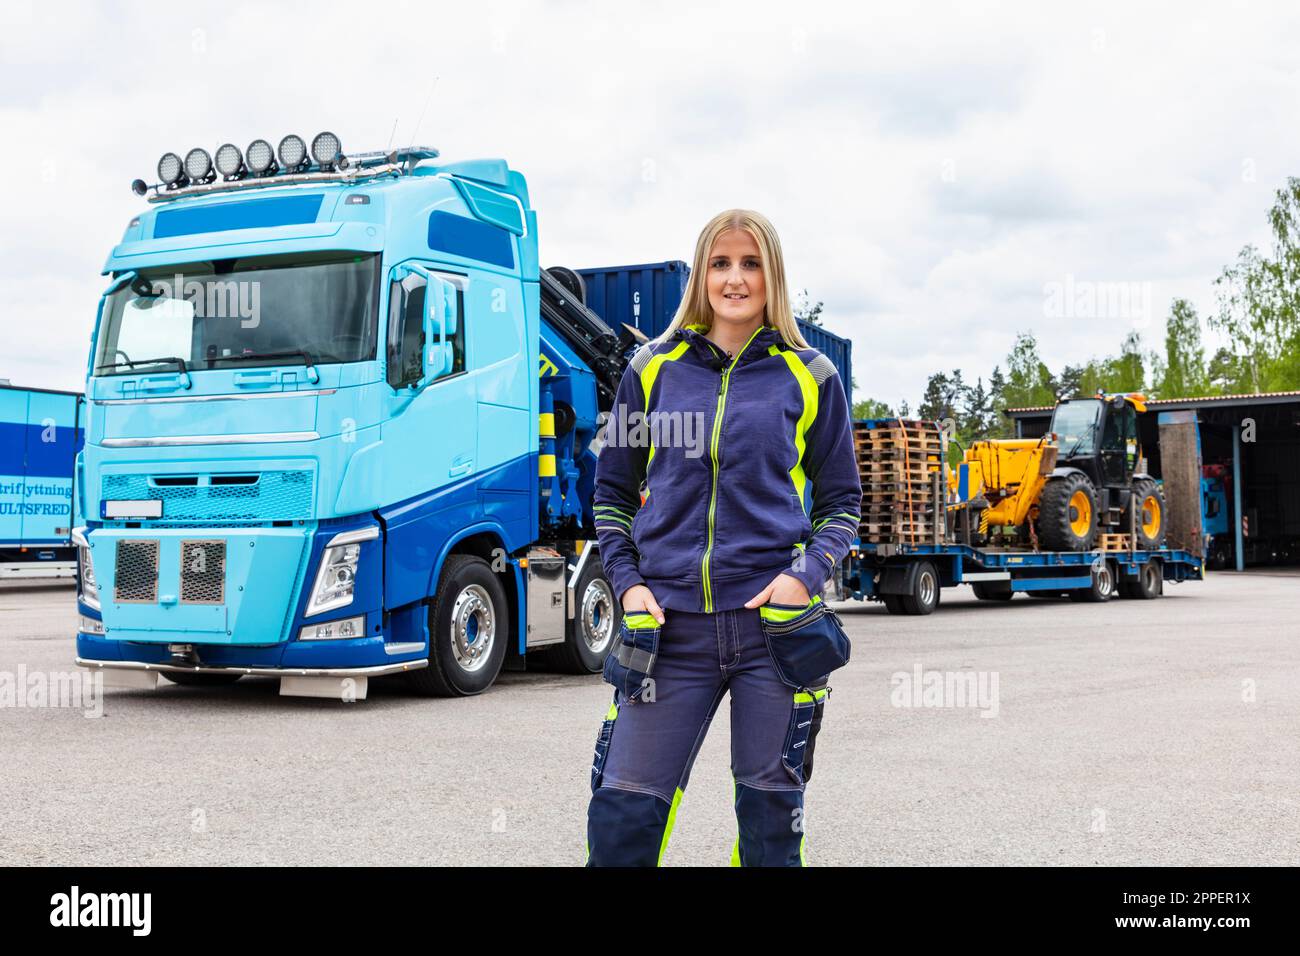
(893, 603)
(992, 590)
(201, 680)
(1045, 594)
(590, 636)
(925, 590)
(1067, 514)
(1149, 583)
(464, 659)
(1148, 528)
(1102, 588)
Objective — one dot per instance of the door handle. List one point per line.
(462, 465)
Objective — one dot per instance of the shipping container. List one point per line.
(646, 297)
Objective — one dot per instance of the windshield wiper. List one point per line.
(156, 361)
(287, 353)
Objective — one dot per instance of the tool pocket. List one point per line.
(602, 744)
(806, 643)
(805, 721)
(629, 665)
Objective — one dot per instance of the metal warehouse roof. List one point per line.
(1259, 398)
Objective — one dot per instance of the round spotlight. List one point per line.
(198, 165)
(169, 168)
(229, 160)
(260, 156)
(325, 149)
(292, 151)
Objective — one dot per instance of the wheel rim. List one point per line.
(1150, 516)
(473, 628)
(597, 618)
(1080, 513)
(927, 588)
(1104, 582)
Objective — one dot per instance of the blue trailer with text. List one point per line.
(40, 435)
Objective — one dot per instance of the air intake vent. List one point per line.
(135, 580)
(203, 572)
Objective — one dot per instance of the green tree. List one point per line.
(806, 309)
(1029, 382)
(1183, 373)
(870, 408)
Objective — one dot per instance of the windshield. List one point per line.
(1076, 425)
(268, 310)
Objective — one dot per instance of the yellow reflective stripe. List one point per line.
(808, 388)
(612, 713)
(785, 614)
(803, 697)
(648, 376)
(545, 466)
(546, 424)
(735, 848)
(713, 455)
(668, 827)
(640, 619)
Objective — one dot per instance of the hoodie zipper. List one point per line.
(713, 457)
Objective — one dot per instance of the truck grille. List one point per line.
(199, 498)
(203, 572)
(135, 580)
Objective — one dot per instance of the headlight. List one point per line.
(89, 589)
(169, 168)
(292, 152)
(229, 160)
(336, 579)
(325, 149)
(198, 164)
(334, 630)
(260, 156)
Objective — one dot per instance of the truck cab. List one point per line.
(312, 429)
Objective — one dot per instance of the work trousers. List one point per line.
(647, 745)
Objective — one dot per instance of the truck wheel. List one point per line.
(198, 679)
(893, 603)
(1102, 588)
(589, 637)
(1067, 514)
(469, 627)
(925, 591)
(1148, 515)
(1149, 583)
(992, 590)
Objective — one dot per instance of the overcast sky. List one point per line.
(936, 173)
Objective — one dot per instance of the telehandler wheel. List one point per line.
(992, 590)
(1148, 515)
(1067, 514)
(589, 637)
(1103, 585)
(1149, 583)
(925, 591)
(469, 626)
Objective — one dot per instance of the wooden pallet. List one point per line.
(1114, 542)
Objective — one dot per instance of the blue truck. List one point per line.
(40, 435)
(340, 424)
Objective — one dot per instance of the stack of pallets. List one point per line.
(897, 461)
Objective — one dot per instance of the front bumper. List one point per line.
(382, 670)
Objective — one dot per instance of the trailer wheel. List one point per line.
(469, 627)
(1102, 587)
(1149, 583)
(589, 637)
(992, 590)
(925, 591)
(199, 679)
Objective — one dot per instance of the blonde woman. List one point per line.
(739, 433)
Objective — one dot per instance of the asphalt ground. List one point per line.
(1133, 732)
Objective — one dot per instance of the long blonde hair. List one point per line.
(695, 308)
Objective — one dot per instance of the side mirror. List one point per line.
(439, 329)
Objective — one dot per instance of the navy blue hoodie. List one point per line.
(748, 469)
